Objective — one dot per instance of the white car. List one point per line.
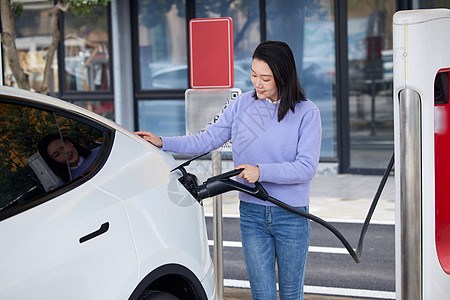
(121, 226)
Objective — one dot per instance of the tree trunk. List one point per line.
(9, 43)
(56, 35)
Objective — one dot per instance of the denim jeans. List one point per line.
(271, 234)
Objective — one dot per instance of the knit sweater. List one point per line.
(286, 152)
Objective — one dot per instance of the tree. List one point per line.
(8, 9)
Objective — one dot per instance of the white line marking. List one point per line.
(232, 216)
(227, 244)
(308, 289)
(331, 250)
(234, 283)
(316, 249)
(332, 220)
(360, 221)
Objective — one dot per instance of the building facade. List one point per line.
(130, 62)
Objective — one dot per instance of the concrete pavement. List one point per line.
(245, 294)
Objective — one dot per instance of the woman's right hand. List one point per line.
(150, 137)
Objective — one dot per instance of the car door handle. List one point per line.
(104, 228)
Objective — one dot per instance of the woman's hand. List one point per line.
(150, 137)
(250, 173)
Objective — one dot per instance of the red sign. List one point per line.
(211, 53)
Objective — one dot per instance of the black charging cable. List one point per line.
(222, 183)
(355, 255)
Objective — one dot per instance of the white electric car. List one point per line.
(122, 227)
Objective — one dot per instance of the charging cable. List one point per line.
(222, 183)
(355, 255)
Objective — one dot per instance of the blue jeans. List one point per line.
(271, 234)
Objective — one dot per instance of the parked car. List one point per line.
(123, 227)
(177, 77)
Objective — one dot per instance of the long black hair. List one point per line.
(60, 169)
(278, 55)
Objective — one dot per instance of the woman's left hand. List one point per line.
(150, 137)
(250, 173)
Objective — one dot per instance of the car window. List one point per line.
(41, 151)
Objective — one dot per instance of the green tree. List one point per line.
(8, 9)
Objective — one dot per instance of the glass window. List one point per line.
(41, 151)
(162, 44)
(86, 50)
(419, 4)
(308, 28)
(246, 33)
(370, 82)
(162, 117)
(33, 37)
(103, 108)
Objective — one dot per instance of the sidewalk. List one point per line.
(344, 197)
(245, 294)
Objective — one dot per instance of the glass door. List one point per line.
(370, 83)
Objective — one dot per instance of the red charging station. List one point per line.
(442, 167)
(421, 49)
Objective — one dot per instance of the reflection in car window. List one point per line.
(66, 158)
(26, 172)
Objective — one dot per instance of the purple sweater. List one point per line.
(286, 152)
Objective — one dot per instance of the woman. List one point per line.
(62, 155)
(276, 135)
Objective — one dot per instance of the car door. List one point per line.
(59, 239)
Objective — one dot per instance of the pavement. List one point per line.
(245, 294)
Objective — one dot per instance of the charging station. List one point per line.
(422, 153)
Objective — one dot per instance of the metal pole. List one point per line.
(217, 228)
(410, 195)
(1, 63)
(122, 63)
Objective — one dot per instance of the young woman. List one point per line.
(276, 134)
